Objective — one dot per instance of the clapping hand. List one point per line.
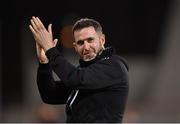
(43, 37)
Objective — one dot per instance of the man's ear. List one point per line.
(103, 39)
(74, 45)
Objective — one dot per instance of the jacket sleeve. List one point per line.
(59, 64)
(51, 92)
(106, 73)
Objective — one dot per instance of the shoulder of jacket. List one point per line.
(120, 60)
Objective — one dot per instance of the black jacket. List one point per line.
(95, 91)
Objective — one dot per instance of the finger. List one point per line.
(36, 22)
(50, 28)
(32, 29)
(55, 41)
(40, 22)
(34, 25)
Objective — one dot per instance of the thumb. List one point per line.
(55, 41)
(37, 46)
(50, 28)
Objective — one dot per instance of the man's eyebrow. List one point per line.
(90, 38)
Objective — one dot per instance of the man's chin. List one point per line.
(88, 58)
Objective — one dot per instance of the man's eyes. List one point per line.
(81, 42)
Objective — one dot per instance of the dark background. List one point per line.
(133, 27)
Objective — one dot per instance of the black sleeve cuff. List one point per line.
(52, 53)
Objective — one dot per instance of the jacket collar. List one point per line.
(105, 54)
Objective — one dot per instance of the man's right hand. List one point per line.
(42, 36)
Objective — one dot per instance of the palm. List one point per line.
(41, 54)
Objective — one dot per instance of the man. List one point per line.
(96, 90)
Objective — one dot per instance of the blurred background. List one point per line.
(145, 32)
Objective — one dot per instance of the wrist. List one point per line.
(43, 62)
(47, 47)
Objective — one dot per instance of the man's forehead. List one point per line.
(84, 33)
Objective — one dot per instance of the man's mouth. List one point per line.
(86, 53)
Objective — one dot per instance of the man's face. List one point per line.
(88, 43)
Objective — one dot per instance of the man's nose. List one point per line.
(86, 45)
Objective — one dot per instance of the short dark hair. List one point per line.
(86, 22)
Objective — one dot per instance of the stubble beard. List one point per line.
(89, 58)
